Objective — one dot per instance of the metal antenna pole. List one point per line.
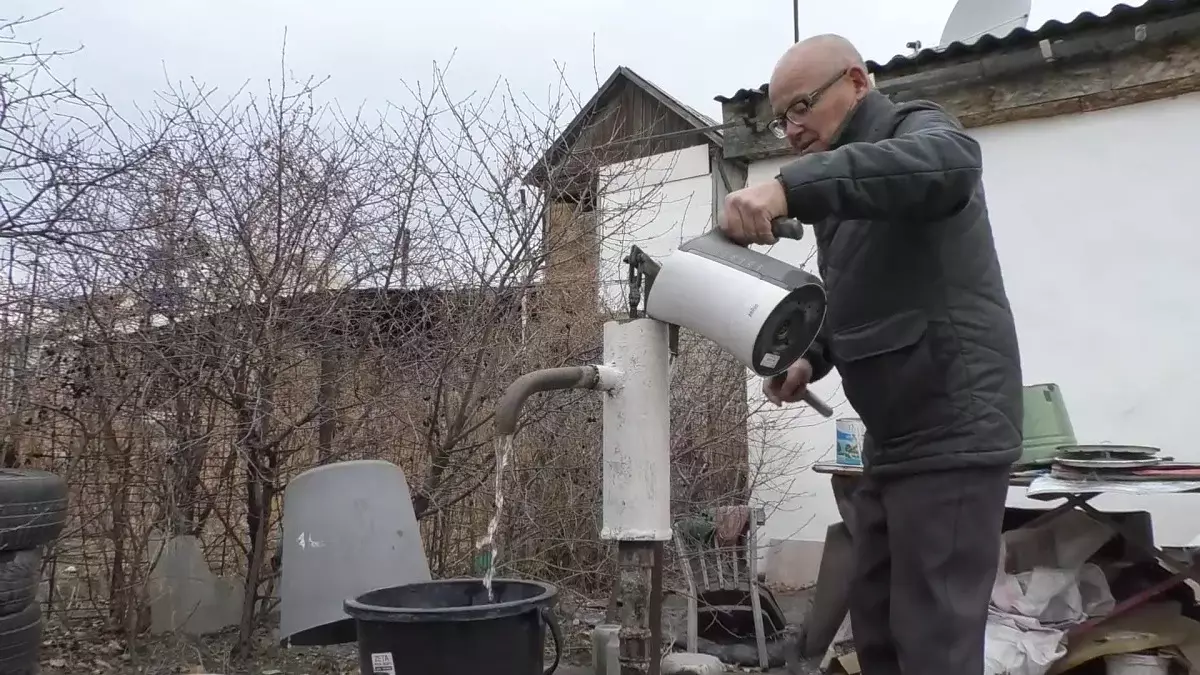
(796, 20)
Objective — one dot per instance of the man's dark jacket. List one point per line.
(918, 326)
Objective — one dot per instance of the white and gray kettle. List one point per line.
(763, 311)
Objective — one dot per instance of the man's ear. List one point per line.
(860, 79)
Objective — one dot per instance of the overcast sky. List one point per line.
(694, 49)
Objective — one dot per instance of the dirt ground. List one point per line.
(84, 648)
(77, 650)
(88, 649)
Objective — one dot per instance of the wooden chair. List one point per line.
(722, 576)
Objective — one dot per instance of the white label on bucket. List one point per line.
(769, 360)
(383, 664)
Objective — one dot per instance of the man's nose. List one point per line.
(794, 131)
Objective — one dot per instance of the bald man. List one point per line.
(920, 330)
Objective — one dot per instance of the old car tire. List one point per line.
(33, 508)
(20, 572)
(21, 640)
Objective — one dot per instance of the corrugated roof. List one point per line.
(1017, 37)
(1023, 36)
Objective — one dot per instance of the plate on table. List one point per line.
(1089, 463)
(1108, 451)
(1108, 456)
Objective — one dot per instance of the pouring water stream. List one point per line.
(503, 444)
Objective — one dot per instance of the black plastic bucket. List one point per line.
(451, 628)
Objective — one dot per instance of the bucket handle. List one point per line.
(556, 632)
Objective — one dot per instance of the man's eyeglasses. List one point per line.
(799, 109)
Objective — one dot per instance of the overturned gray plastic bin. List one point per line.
(348, 528)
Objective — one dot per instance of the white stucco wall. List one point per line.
(657, 203)
(1098, 232)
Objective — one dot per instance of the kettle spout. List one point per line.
(508, 409)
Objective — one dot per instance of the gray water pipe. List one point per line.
(508, 409)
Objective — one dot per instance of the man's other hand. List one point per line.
(790, 387)
(748, 213)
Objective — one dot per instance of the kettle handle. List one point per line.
(787, 228)
(781, 227)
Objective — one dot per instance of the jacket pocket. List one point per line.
(893, 376)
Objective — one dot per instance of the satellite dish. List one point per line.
(972, 19)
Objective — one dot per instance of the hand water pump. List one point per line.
(761, 310)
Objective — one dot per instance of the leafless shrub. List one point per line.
(57, 145)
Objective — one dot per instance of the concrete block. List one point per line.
(606, 649)
(680, 663)
(793, 563)
(185, 596)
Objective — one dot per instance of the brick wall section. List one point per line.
(568, 306)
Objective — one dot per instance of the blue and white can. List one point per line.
(850, 432)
